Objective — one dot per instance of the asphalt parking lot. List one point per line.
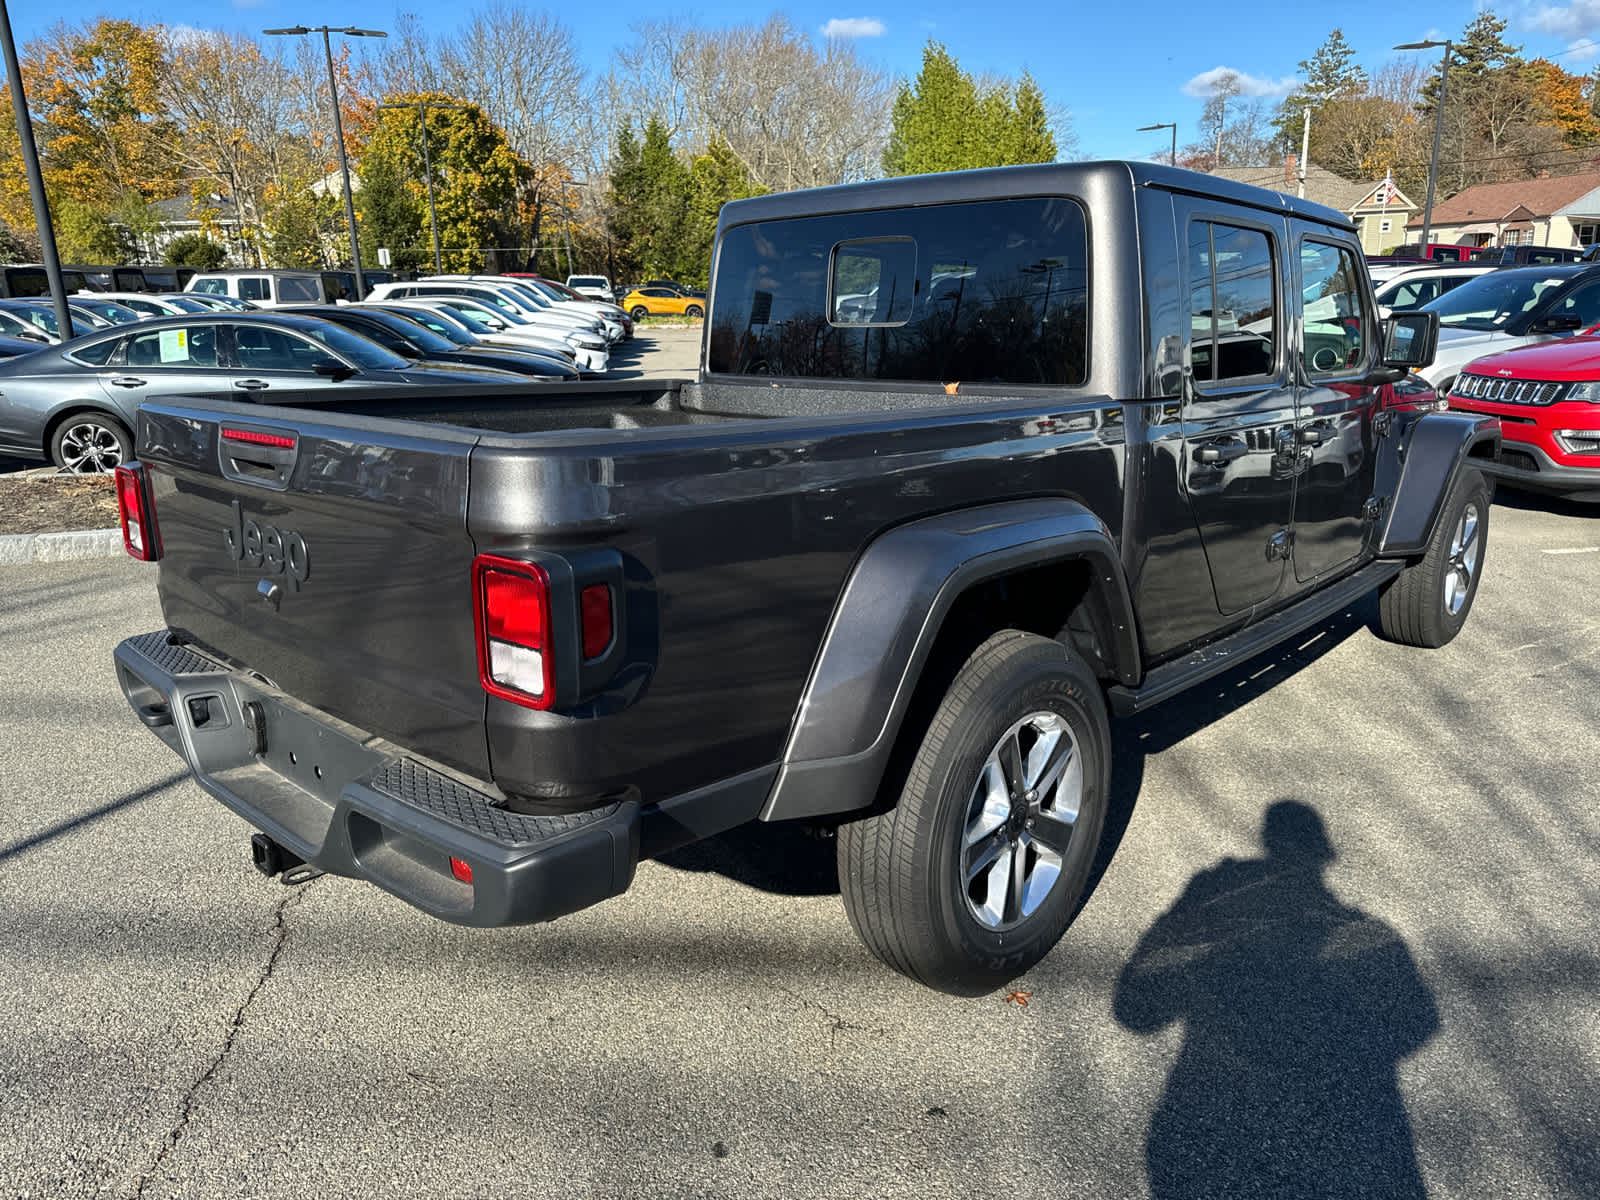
(1400, 1002)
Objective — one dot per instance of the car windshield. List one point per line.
(110, 310)
(1491, 300)
(544, 289)
(582, 281)
(45, 319)
(354, 347)
(187, 305)
(413, 331)
(440, 325)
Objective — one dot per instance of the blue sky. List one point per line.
(1114, 66)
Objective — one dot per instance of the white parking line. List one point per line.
(1574, 550)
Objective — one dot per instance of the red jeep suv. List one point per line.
(1548, 400)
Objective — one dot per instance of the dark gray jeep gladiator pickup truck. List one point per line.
(972, 463)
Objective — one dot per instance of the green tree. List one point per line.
(943, 120)
(86, 232)
(194, 250)
(476, 177)
(392, 215)
(715, 177)
(1330, 74)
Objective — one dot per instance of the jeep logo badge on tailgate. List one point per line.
(279, 551)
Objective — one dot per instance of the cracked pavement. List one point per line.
(177, 1026)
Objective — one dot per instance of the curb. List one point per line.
(74, 544)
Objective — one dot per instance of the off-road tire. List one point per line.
(1413, 608)
(902, 872)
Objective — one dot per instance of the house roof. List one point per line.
(1497, 201)
(181, 209)
(1322, 185)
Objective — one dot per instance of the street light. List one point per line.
(30, 163)
(422, 107)
(1438, 124)
(1172, 125)
(338, 126)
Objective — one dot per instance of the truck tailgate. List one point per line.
(333, 561)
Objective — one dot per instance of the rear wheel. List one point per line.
(694, 310)
(91, 443)
(978, 869)
(1428, 602)
(639, 313)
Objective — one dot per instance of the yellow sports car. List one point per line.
(662, 302)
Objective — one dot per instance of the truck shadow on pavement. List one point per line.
(1297, 1010)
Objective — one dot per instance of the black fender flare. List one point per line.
(888, 617)
(1439, 446)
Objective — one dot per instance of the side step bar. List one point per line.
(1167, 680)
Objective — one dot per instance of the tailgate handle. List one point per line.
(260, 455)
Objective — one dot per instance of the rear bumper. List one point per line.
(352, 804)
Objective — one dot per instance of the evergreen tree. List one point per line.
(391, 217)
(715, 177)
(942, 121)
(1330, 74)
(195, 250)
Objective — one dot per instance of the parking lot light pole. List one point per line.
(1172, 125)
(422, 107)
(30, 163)
(338, 126)
(1438, 125)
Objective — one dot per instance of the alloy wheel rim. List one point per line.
(1020, 820)
(90, 449)
(1462, 562)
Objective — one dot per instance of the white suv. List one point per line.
(596, 287)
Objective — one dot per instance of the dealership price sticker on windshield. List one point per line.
(174, 345)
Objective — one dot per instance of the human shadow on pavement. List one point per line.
(1297, 1010)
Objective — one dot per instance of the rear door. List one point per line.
(332, 559)
(1238, 410)
(167, 362)
(1334, 463)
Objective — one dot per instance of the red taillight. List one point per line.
(258, 439)
(139, 534)
(594, 604)
(461, 870)
(511, 610)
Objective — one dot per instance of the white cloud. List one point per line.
(1573, 20)
(1203, 84)
(1583, 50)
(850, 27)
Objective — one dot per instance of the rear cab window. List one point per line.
(992, 291)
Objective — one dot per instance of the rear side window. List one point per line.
(984, 292)
(253, 288)
(194, 346)
(26, 281)
(212, 287)
(96, 354)
(1232, 303)
(295, 288)
(1334, 335)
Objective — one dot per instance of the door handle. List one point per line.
(250, 385)
(1221, 452)
(1311, 437)
(126, 381)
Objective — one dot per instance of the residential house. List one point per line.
(172, 219)
(1379, 210)
(1551, 210)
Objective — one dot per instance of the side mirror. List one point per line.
(332, 368)
(1410, 340)
(1556, 325)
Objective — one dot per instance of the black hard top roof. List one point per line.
(995, 183)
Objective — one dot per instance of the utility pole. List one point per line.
(1305, 150)
(338, 128)
(1438, 126)
(422, 107)
(1172, 125)
(30, 162)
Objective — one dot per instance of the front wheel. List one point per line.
(976, 872)
(1428, 602)
(91, 443)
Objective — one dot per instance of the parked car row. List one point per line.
(74, 401)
